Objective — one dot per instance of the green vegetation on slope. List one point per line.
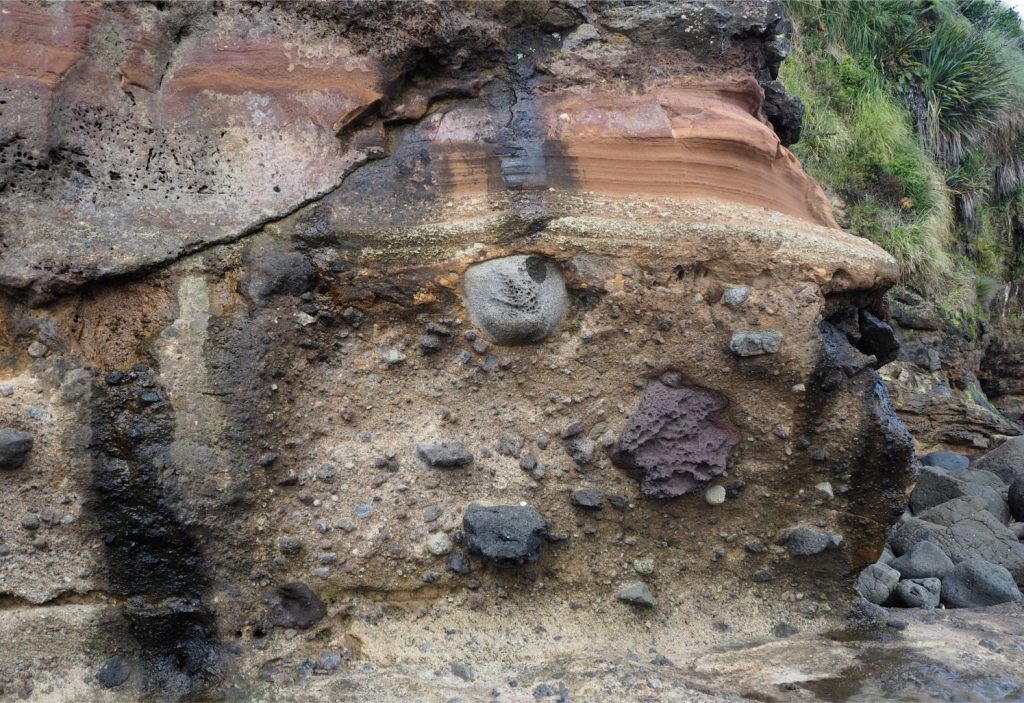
(915, 118)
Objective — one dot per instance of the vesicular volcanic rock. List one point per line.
(260, 262)
(673, 443)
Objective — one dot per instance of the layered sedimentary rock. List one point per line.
(246, 250)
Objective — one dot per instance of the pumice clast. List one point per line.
(515, 299)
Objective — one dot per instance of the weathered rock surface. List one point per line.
(673, 443)
(15, 447)
(505, 535)
(235, 241)
(975, 583)
(964, 529)
(919, 593)
(877, 582)
(923, 560)
(515, 299)
(935, 487)
(1006, 461)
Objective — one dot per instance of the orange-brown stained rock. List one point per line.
(693, 142)
(41, 43)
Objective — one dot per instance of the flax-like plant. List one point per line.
(964, 87)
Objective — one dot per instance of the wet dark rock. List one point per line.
(673, 443)
(763, 576)
(923, 560)
(1015, 498)
(113, 673)
(505, 535)
(15, 446)
(276, 271)
(919, 593)
(515, 299)
(784, 110)
(588, 498)
(975, 583)
(755, 342)
(844, 354)
(458, 562)
(877, 338)
(444, 455)
(876, 583)
(950, 461)
(639, 594)
(294, 605)
(1006, 461)
(805, 542)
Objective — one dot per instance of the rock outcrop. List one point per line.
(268, 268)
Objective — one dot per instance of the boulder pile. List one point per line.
(958, 544)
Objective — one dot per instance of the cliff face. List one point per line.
(288, 288)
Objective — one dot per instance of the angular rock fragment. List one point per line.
(735, 296)
(878, 339)
(444, 455)
(919, 593)
(505, 535)
(672, 443)
(755, 342)
(838, 347)
(588, 498)
(516, 299)
(805, 542)
(637, 593)
(975, 583)
(876, 583)
(15, 446)
(294, 605)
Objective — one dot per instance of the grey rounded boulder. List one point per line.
(876, 582)
(515, 299)
(975, 582)
(505, 535)
(919, 593)
(923, 560)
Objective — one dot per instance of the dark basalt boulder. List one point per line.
(15, 447)
(673, 443)
(505, 535)
(294, 605)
